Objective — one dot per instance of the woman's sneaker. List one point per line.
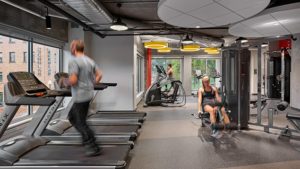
(196, 115)
(215, 133)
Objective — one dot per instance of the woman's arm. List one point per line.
(170, 71)
(218, 98)
(200, 100)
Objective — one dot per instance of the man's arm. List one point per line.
(98, 76)
(73, 79)
(200, 100)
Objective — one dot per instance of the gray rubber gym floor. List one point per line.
(172, 139)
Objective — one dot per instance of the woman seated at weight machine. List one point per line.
(208, 99)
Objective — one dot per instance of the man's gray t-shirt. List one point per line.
(85, 69)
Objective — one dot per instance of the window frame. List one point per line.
(25, 57)
(1, 57)
(30, 62)
(10, 60)
(1, 75)
(1, 99)
(10, 41)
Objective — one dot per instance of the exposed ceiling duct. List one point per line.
(92, 10)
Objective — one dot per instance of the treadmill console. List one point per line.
(28, 83)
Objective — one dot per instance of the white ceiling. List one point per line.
(208, 13)
(273, 22)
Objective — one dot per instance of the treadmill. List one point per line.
(110, 117)
(29, 151)
(127, 116)
(61, 129)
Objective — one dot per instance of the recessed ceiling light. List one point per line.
(198, 26)
(264, 45)
(244, 41)
(278, 36)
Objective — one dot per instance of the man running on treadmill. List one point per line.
(83, 74)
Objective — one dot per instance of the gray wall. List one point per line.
(114, 55)
(295, 78)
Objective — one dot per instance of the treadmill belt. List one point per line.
(140, 114)
(74, 155)
(118, 115)
(106, 129)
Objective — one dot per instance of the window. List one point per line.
(33, 57)
(12, 57)
(25, 57)
(1, 57)
(210, 67)
(12, 40)
(49, 62)
(176, 65)
(16, 50)
(45, 65)
(139, 73)
(1, 99)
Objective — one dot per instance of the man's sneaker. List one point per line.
(92, 150)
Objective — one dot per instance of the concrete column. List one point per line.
(187, 75)
(253, 72)
(295, 78)
(218, 69)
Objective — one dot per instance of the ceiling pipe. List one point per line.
(140, 34)
(157, 29)
(131, 2)
(59, 10)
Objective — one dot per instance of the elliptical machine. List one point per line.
(165, 91)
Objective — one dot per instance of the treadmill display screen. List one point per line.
(29, 83)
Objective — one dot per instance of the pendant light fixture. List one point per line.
(164, 50)
(48, 19)
(187, 40)
(190, 48)
(155, 45)
(118, 25)
(212, 51)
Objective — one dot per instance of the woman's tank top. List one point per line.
(208, 97)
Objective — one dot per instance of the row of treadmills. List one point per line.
(49, 142)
